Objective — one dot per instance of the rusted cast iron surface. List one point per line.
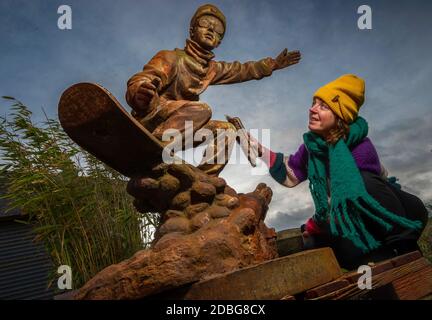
(289, 241)
(275, 279)
(224, 231)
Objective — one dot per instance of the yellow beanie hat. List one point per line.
(344, 96)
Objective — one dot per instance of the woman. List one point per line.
(358, 212)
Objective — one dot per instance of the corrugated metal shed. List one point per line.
(6, 214)
(24, 263)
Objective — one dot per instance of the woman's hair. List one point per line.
(341, 130)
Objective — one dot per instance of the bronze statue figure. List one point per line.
(205, 227)
(166, 93)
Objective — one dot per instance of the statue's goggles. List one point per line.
(205, 23)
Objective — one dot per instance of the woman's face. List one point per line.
(321, 118)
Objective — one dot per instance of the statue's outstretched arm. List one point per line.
(235, 72)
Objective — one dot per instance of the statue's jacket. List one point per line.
(182, 75)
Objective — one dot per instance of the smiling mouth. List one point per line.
(208, 36)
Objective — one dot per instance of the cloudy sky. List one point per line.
(112, 40)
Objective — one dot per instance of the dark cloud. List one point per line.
(405, 147)
(292, 219)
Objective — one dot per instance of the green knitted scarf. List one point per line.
(349, 198)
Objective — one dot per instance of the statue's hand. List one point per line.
(145, 95)
(254, 144)
(287, 58)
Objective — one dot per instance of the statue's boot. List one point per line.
(176, 114)
(217, 154)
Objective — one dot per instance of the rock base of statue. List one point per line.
(205, 229)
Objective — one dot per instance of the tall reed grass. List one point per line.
(78, 206)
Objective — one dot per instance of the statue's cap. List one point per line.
(208, 9)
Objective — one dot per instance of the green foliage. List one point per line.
(79, 207)
(425, 241)
(429, 206)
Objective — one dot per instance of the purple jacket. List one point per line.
(364, 154)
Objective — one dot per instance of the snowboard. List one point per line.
(94, 119)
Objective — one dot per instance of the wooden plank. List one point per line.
(399, 272)
(339, 294)
(272, 279)
(415, 285)
(381, 267)
(377, 268)
(385, 278)
(352, 277)
(404, 259)
(326, 288)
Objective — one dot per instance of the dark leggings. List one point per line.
(398, 241)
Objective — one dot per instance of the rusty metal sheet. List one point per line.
(273, 279)
(289, 241)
